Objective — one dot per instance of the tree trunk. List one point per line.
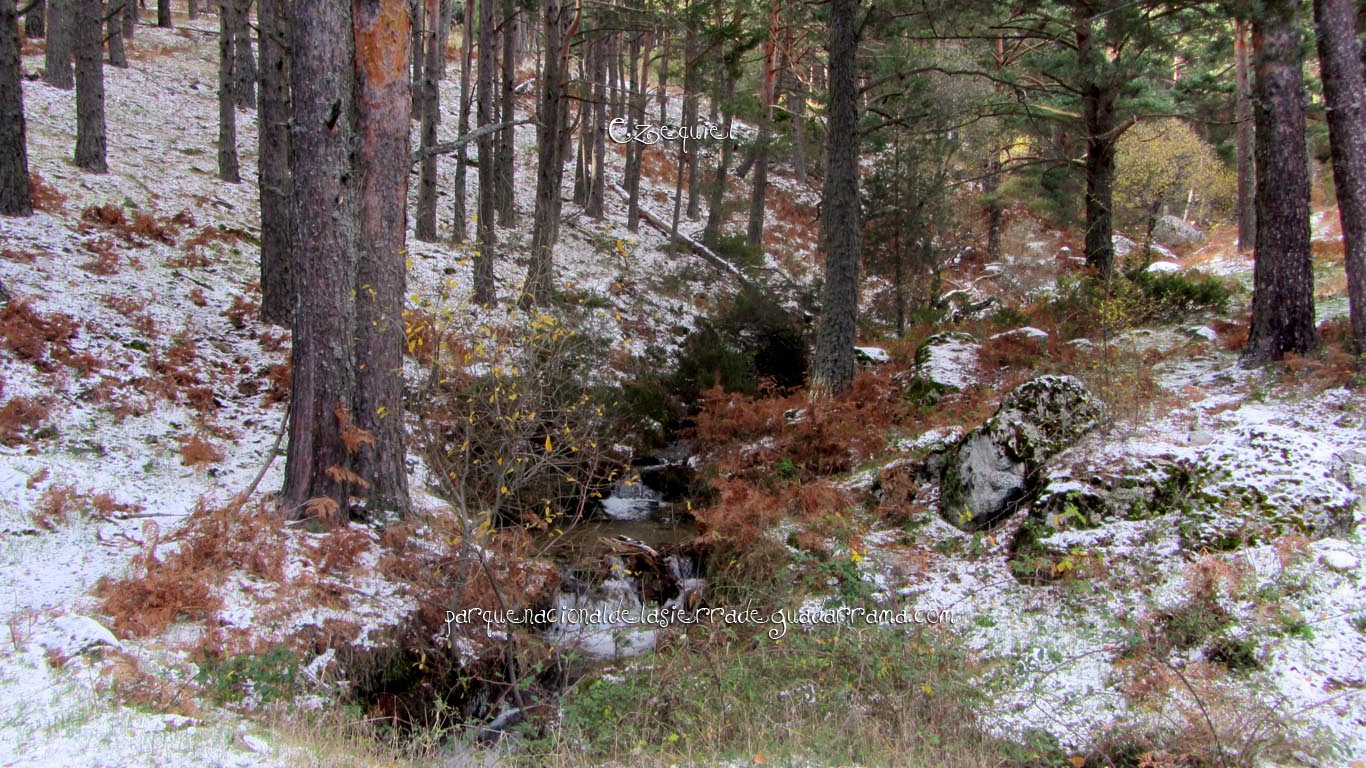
(57, 57)
(33, 20)
(758, 199)
(691, 88)
(484, 289)
(90, 140)
(227, 96)
(431, 117)
(662, 88)
(583, 157)
(243, 61)
(130, 19)
(1343, 87)
(994, 211)
(383, 152)
(716, 202)
(15, 199)
(1098, 124)
(796, 106)
(275, 183)
(639, 65)
(1247, 177)
(415, 12)
(832, 369)
(466, 59)
(442, 35)
(597, 188)
(549, 167)
(113, 32)
(1283, 277)
(163, 13)
(323, 381)
(192, 9)
(505, 150)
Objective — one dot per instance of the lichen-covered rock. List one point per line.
(1174, 232)
(1246, 486)
(994, 468)
(944, 363)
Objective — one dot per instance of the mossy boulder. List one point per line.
(992, 471)
(944, 363)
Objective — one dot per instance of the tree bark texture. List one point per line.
(15, 199)
(381, 40)
(90, 138)
(832, 369)
(1283, 277)
(57, 56)
(460, 211)
(33, 20)
(275, 181)
(228, 169)
(1247, 174)
(113, 26)
(1343, 88)
(484, 289)
(431, 117)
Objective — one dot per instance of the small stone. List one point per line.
(1200, 437)
(1339, 561)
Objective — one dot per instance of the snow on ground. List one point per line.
(1061, 655)
(166, 350)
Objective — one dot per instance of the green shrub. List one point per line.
(754, 340)
(1171, 295)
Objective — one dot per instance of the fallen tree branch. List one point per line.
(448, 147)
(698, 248)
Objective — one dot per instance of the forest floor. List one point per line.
(151, 620)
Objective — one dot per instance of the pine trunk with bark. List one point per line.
(33, 20)
(460, 211)
(90, 136)
(318, 465)
(130, 19)
(758, 198)
(691, 113)
(484, 289)
(639, 65)
(1101, 132)
(443, 33)
(163, 13)
(583, 156)
(243, 60)
(549, 165)
(416, 13)
(192, 9)
(832, 369)
(505, 150)
(662, 87)
(796, 107)
(383, 159)
(716, 200)
(1283, 277)
(597, 187)
(228, 169)
(57, 56)
(113, 26)
(1343, 87)
(15, 198)
(431, 116)
(275, 182)
(1247, 174)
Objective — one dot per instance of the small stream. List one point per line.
(624, 568)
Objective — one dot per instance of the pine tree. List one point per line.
(90, 137)
(1343, 89)
(1283, 276)
(58, 53)
(832, 370)
(275, 182)
(15, 199)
